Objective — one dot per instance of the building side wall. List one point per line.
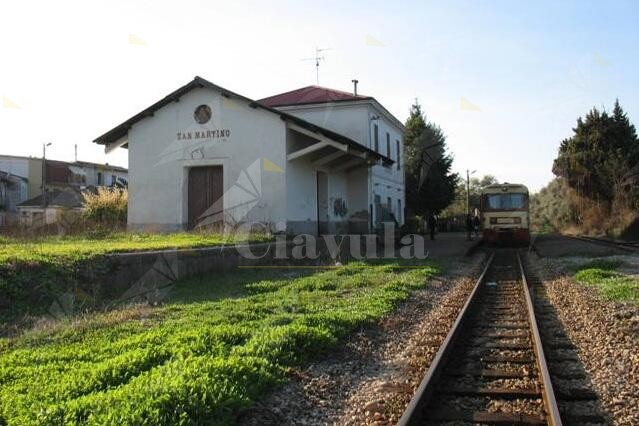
(348, 120)
(358, 122)
(301, 183)
(253, 158)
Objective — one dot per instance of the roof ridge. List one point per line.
(290, 91)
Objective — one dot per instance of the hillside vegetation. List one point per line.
(215, 347)
(597, 185)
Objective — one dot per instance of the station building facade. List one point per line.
(204, 156)
(366, 121)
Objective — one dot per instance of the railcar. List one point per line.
(505, 214)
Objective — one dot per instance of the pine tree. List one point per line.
(601, 160)
(430, 184)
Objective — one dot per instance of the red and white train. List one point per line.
(505, 214)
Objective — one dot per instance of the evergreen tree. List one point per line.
(430, 184)
(600, 160)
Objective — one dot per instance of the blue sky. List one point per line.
(506, 81)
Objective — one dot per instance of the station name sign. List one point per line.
(204, 135)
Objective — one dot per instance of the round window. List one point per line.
(202, 114)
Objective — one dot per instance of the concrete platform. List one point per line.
(555, 245)
(449, 244)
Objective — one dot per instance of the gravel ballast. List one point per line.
(605, 334)
(371, 378)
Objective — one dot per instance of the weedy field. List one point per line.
(79, 247)
(214, 347)
(35, 271)
(610, 283)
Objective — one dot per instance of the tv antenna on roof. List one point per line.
(319, 56)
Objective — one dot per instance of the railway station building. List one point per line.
(204, 156)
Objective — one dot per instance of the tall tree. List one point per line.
(430, 184)
(601, 159)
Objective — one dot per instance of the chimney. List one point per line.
(76, 152)
(355, 81)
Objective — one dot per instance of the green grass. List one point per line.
(212, 349)
(52, 249)
(611, 284)
(35, 272)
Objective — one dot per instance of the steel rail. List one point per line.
(413, 413)
(548, 394)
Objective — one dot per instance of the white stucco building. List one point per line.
(205, 156)
(366, 121)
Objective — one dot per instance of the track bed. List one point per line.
(491, 367)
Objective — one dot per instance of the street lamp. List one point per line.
(44, 173)
(468, 173)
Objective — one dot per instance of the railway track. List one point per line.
(631, 247)
(491, 368)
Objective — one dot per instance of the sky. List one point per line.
(505, 80)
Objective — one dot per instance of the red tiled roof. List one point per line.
(310, 95)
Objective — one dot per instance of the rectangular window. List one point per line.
(399, 211)
(399, 156)
(114, 180)
(388, 154)
(100, 180)
(376, 138)
(505, 202)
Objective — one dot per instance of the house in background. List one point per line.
(23, 181)
(13, 190)
(56, 207)
(365, 120)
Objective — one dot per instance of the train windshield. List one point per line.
(505, 201)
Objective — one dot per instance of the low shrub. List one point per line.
(107, 206)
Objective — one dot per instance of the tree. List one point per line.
(599, 161)
(551, 208)
(458, 206)
(430, 184)
(599, 165)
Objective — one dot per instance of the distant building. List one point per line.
(13, 190)
(21, 181)
(58, 207)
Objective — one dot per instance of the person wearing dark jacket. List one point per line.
(476, 224)
(432, 225)
(469, 227)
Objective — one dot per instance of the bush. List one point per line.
(108, 206)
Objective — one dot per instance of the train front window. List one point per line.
(505, 201)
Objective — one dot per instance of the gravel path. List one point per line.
(371, 378)
(606, 335)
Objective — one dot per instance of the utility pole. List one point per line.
(44, 174)
(468, 173)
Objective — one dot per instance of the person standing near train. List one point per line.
(432, 225)
(476, 223)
